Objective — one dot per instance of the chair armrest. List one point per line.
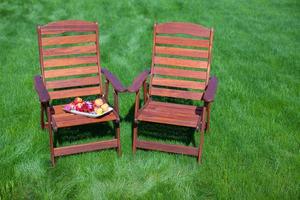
(210, 90)
(41, 89)
(117, 85)
(138, 82)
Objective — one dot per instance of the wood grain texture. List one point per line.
(181, 41)
(179, 73)
(180, 62)
(71, 72)
(178, 83)
(70, 61)
(74, 39)
(194, 53)
(175, 93)
(182, 28)
(170, 113)
(171, 148)
(68, 26)
(94, 80)
(80, 92)
(87, 147)
(69, 50)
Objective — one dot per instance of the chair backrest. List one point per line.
(69, 58)
(180, 60)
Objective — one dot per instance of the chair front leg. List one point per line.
(50, 136)
(135, 123)
(208, 107)
(202, 129)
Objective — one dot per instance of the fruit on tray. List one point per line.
(98, 102)
(104, 107)
(98, 106)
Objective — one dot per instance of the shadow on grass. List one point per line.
(78, 134)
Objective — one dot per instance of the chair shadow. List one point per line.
(162, 132)
(84, 132)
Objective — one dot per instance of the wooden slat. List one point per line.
(181, 52)
(178, 83)
(74, 39)
(182, 28)
(181, 41)
(72, 82)
(67, 120)
(61, 94)
(172, 148)
(68, 26)
(180, 73)
(69, 50)
(176, 93)
(180, 62)
(70, 61)
(71, 72)
(87, 147)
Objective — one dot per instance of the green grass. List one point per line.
(252, 151)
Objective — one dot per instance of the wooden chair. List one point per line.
(70, 67)
(180, 69)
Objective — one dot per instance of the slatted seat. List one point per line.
(180, 69)
(171, 113)
(62, 119)
(70, 67)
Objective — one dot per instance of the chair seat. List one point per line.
(170, 113)
(63, 119)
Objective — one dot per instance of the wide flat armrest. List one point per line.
(211, 89)
(117, 85)
(138, 82)
(41, 89)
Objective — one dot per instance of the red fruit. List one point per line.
(78, 100)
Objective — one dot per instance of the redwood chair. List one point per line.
(70, 67)
(181, 60)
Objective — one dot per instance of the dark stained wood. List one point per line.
(163, 76)
(87, 147)
(70, 50)
(180, 62)
(183, 28)
(176, 93)
(61, 94)
(178, 83)
(70, 72)
(181, 41)
(94, 80)
(172, 148)
(70, 61)
(68, 26)
(74, 39)
(170, 113)
(194, 53)
(180, 73)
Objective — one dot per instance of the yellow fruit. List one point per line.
(98, 102)
(99, 111)
(104, 107)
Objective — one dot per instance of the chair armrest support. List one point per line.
(117, 85)
(138, 82)
(210, 90)
(41, 89)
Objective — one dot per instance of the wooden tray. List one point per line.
(92, 114)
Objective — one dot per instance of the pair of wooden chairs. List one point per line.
(70, 67)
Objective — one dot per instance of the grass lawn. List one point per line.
(252, 150)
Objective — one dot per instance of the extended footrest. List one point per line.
(171, 148)
(80, 148)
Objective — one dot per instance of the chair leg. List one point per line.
(117, 128)
(42, 116)
(135, 127)
(208, 118)
(51, 138)
(200, 145)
